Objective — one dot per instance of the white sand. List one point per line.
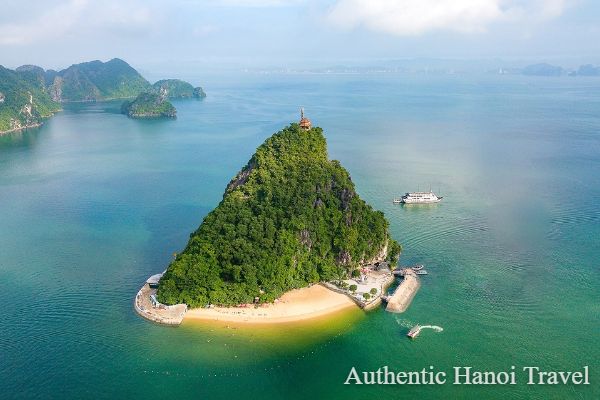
(295, 305)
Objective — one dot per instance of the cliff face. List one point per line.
(24, 100)
(289, 218)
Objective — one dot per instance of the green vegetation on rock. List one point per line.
(24, 100)
(289, 218)
(88, 81)
(95, 80)
(149, 105)
(176, 88)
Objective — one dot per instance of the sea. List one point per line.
(92, 203)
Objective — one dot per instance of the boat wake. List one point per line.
(404, 323)
(408, 324)
(434, 327)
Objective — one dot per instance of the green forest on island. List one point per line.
(29, 94)
(23, 99)
(149, 105)
(176, 88)
(290, 217)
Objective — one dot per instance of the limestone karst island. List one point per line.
(30, 94)
(293, 199)
(291, 239)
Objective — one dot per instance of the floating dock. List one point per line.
(147, 306)
(400, 300)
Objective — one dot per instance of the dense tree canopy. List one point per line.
(291, 217)
(176, 88)
(149, 105)
(24, 100)
(29, 94)
(96, 80)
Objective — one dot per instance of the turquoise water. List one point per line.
(92, 203)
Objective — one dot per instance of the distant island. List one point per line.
(542, 69)
(545, 69)
(149, 105)
(178, 89)
(95, 81)
(588, 70)
(30, 94)
(290, 218)
(154, 103)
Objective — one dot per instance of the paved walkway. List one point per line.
(163, 314)
(404, 293)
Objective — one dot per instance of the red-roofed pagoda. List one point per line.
(304, 122)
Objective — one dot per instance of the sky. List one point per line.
(153, 34)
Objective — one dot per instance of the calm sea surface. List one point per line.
(93, 203)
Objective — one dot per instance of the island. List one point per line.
(542, 69)
(149, 105)
(29, 94)
(96, 81)
(291, 239)
(24, 99)
(588, 70)
(178, 89)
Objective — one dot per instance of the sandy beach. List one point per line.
(295, 305)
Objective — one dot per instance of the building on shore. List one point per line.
(154, 280)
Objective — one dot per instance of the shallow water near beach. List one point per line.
(92, 203)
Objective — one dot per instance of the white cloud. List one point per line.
(203, 30)
(256, 3)
(41, 21)
(551, 8)
(76, 17)
(415, 17)
(53, 23)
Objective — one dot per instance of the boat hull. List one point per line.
(406, 201)
(414, 332)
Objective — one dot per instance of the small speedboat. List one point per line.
(414, 331)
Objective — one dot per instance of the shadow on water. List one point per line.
(108, 107)
(24, 139)
(286, 336)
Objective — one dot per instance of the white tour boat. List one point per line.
(419, 198)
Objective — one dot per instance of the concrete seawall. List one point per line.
(402, 297)
(162, 314)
